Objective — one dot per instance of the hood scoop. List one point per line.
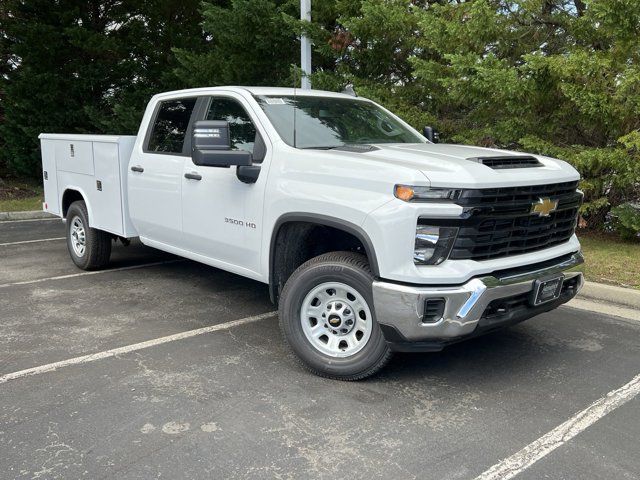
(510, 161)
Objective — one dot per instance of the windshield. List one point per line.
(326, 122)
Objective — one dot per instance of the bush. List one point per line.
(610, 175)
(626, 220)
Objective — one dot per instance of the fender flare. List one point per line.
(327, 221)
(84, 198)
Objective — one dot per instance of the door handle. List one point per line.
(137, 168)
(193, 176)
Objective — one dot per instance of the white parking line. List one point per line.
(32, 241)
(95, 272)
(516, 463)
(131, 348)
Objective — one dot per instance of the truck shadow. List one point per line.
(520, 351)
(136, 254)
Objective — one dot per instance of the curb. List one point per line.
(599, 292)
(32, 215)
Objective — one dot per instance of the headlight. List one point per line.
(425, 194)
(433, 244)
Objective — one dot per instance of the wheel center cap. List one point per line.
(335, 321)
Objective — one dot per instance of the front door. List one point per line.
(155, 175)
(221, 216)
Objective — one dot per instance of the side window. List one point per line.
(170, 125)
(241, 129)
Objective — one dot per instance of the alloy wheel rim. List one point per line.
(78, 236)
(336, 319)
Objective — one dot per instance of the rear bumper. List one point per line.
(479, 305)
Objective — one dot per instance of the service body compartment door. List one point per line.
(74, 156)
(107, 196)
(50, 177)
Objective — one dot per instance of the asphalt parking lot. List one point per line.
(229, 402)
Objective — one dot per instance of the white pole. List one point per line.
(305, 46)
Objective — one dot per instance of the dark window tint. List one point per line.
(241, 128)
(170, 125)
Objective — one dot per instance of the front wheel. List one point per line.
(90, 249)
(327, 317)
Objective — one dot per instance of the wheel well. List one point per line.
(68, 198)
(295, 242)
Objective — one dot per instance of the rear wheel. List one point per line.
(89, 248)
(327, 318)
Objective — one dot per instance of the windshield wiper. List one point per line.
(349, 147)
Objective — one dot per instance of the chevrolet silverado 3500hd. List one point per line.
(372, 238)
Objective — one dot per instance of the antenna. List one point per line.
(295, 102)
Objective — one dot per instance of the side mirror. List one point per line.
(211, 146)
(432, 134)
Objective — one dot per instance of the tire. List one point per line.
(338, 285)
(90, 249)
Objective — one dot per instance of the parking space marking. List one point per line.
(32, 241)
(516, 463)
(94, 272)
(132, 348)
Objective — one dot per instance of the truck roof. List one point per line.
(284, 91)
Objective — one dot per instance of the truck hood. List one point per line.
(447, 165)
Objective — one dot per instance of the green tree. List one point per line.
(62, 60)
(85, 66)
(154, 30)
(558, 77)
(248, 42)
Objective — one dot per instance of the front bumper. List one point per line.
(479, 305)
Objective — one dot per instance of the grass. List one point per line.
(20, 195)
(609, 259)
(21, 205)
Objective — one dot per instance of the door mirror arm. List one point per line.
(248, 173)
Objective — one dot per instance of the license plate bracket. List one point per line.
(546, 290)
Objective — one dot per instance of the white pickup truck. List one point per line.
(372, 237)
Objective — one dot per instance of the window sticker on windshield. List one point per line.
(275, 101)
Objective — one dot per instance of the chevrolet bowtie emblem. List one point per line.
(544, 206)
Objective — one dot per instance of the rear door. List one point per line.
(222, 217)
(155, 176)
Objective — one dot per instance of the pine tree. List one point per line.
(249, 42)
(85, 66)
(63, 59)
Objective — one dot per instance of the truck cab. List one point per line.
(372, 238)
